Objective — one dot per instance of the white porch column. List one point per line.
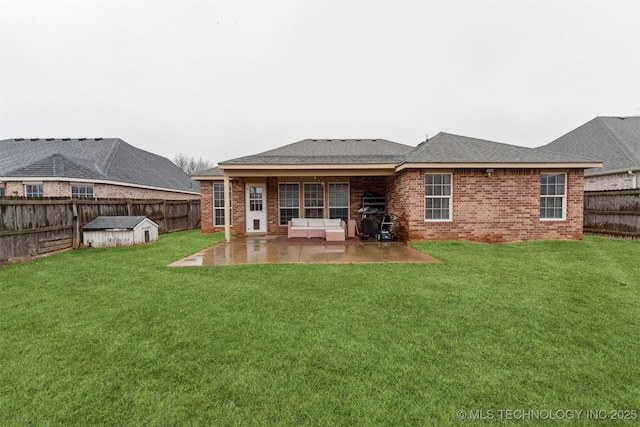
(227, 210)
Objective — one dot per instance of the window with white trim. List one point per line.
(218, 204)
(553, 196)
(33, 190)
(314, 200)
(339, 200)
(437, 196)
(81, 191)
(288, 202)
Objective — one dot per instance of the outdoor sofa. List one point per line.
(329, 229)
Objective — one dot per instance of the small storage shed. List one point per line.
(119, 231)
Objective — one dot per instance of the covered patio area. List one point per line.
(280, 250)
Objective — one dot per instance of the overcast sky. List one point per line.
(221, 80)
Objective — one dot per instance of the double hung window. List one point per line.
(553, 196)
(437, 196)
(218, 204)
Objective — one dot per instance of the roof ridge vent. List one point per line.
(35, 139)
(19, 139)
(82, 139)
(99, 139)
(66, 139)
(50, 139)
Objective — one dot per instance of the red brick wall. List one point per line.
(273, 221)
(206, 207)
(237, 211)
(500, 208)
(357, 187)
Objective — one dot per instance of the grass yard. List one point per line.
(113, 337)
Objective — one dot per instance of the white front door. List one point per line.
(256, 207)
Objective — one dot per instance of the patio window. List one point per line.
(81, 191)
(288, 202)
(218, 204)
(437, 196)
(314, 200)
(553, 196)
(33, 190)
(339, 200)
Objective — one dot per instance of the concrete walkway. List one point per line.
(274, 249)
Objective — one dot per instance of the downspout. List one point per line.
(634, 179)
(227, 210)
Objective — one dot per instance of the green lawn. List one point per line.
(113, 337)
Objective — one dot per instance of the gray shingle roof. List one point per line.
(109, 159)
(328, 151)
(448, 148)
(109, 222)
(612, 140)
(215, 171)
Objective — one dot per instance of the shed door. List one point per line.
(256, 207)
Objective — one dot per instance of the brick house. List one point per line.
(89, 168)
(613, 140)
(448, 187)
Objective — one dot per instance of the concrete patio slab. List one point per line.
(266, 249)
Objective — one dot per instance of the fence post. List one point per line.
(76, 224)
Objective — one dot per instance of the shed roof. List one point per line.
(110, 159)
(120, 222)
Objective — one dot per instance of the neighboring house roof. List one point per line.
(613, 140)
(329, 151)
(109, 159)
(448, 148)
(115, 222)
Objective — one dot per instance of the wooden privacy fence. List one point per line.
(32, 227)
(613, 213)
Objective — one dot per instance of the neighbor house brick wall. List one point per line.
(108, 191)
(618, 181)
(100, 191)
(502, 207)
